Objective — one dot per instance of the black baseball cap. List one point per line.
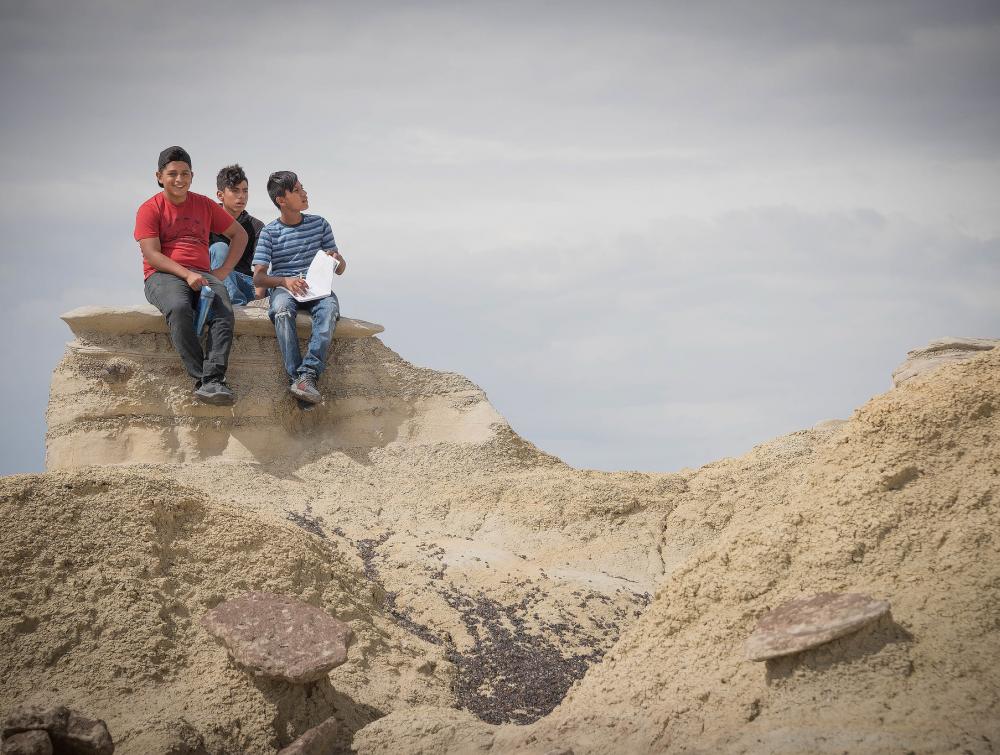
(172, 154)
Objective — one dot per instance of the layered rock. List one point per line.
(940, 352)
(120, 395)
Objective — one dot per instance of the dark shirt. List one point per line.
(252, 226)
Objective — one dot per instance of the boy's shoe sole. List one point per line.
(215, 394)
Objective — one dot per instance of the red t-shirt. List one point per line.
(181, 228)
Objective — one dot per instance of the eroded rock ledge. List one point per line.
(120, 395)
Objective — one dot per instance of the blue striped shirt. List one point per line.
(289, 249)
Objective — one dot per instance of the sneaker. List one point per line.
(215, 392)
(305, 388)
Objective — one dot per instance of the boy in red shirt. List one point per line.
(172, 229)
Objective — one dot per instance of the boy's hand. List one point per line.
(195, 280)
(296, 285)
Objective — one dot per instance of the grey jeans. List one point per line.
(178, 302)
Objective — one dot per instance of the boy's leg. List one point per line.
(176, 300)
(282, 313)
(217, 253)
(324, 313)
(243, 287)
(220, 334)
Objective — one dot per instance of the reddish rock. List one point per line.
(83, 736)
(316, 741)
(804, 623)
(26, 717)
(35, 742)
(279, 637)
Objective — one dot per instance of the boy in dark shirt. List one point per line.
(232, 191)
(172, 229)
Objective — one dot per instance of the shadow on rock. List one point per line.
(863, 645)
(303, 706)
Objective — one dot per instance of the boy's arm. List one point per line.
(263, 280)
(151, 252)
(237, 243)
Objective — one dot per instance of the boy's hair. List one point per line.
(230, 177)
(280, 183)
(169, 155)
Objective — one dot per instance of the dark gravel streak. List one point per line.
(511, 674)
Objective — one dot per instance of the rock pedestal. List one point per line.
(316, 741)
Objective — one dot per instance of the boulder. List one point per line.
(278, 637)
(806, 622)
(34, 742)
(83, 736)
(316, 741)
(26, 717)
(939, 352)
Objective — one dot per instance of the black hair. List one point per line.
(280, 183)
(169, 155)
(230, 177)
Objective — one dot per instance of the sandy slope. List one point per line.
(901, 503)
(480, 573)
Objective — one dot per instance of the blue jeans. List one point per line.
(325, 313)
(238, 285)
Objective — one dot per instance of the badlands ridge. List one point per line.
(500, 601)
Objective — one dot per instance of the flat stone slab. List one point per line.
(279, 637)
(145, 318)
(316, 741)
(806, 622)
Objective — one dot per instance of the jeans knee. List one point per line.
(217, 254)
(180, 310)
(282, 313)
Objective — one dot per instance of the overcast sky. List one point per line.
(655, 233)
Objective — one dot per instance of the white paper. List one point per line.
(319, 277)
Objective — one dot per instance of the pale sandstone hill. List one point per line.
(902, 503)
(481, 573)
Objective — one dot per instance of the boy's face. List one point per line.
(176, 179)
(234, 198)
(295, 200)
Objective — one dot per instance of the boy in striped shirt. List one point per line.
(285, 249)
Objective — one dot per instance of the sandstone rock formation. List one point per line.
(939, 352)
(501, 600)
(278, 637)
(120, 395)
(808, 622)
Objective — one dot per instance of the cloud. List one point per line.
(655, 232)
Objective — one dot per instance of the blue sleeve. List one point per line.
(262, 254)
(329, 244)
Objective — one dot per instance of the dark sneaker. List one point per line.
(305, 389)
(216, 393)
